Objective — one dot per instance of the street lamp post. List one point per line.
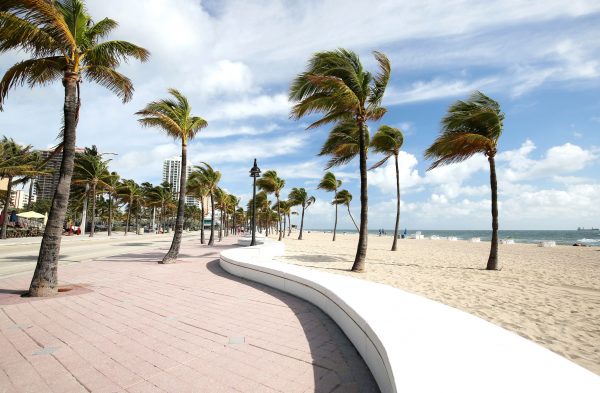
(254, 173)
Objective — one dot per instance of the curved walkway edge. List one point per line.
(413, 344)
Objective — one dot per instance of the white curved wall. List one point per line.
(413, 344)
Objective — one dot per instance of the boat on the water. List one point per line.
(587, 229)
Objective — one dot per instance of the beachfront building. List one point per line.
(20, 198)
(171, 174)
(46, 184)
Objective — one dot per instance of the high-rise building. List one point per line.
(46, 184)
(19, 198)
(171, 175)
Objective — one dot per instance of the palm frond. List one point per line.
(114, 81)
(16, 33)
(380, 81)
(32, 72)
(112, 53)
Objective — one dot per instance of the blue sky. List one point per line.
(235, 60)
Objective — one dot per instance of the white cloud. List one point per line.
(245, 150)
(384, 177)
(567, 158)
(242, 130)
(434, 89)
(263, 105)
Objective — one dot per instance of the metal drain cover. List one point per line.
(237, 340)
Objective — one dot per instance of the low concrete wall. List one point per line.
(413, 344)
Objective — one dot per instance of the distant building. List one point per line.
(46, 184)
(19, 198)
(171, 175)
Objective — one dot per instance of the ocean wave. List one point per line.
(588, 240)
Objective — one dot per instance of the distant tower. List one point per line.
(171, 175)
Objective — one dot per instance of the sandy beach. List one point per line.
(548, 295)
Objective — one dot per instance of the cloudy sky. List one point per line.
(235, 60)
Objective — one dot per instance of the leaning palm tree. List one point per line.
(64, 43)
(270, 183)
(388, 141)
(343, 197)
(298, 196)
(17, 165)
(173, 116)
(470, 127)
(210, 178)
(112, 181)
(129, 192)
(336, 85)
(331, 184)
(91, 170)
(198, 190)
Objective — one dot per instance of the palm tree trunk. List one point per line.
(30, 192)
(290, 226)
(361, 249)
(128, 213)
(211, 240)
(6, 205)
(45, 280)
(352, 218)
(336, 216)
(234, 229)
(171, 256)
(93, 209)
(221, 226)
(397, 205)
(301, 224)
(109, 228)
(284, 224)
(492, 263)
(279, 219)
(202, 220)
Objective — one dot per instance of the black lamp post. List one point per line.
(254, 173)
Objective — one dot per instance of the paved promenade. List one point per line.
(128, 324)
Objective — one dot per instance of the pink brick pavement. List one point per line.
(132, 325)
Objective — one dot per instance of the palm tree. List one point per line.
(64, 43)
(173, 116)
(388, 141)
(112, 181)
(162, 197)
(16, 161)
(129, 192)
(331, 184)
(336, 85)
(270, 183)
(234, 201)
(343, 143)
(210, 178)
(343, 197)
(91, 170)
(471, 127)
(221, 200)
(198, 190)
(298, 196)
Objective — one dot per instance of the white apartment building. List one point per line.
(19, 198)
(172, 173)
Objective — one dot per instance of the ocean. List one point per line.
(587, 237)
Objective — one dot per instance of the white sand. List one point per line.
(548, 295)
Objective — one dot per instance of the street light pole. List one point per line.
(254, 173)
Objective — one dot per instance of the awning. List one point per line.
(31, 214)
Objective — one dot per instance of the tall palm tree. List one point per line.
(210, 178)
(17, 164)
(331, 184)
(162, 197)
(64, 43)
(198, 189)
(471, 127)
(173, 116)
(270, 183)
(130, 193)
(388, 141)
(91, 170)
(221, 200)
(299, 196)
(234, 201)
(336, 85)
(343, 197)
(112, 181)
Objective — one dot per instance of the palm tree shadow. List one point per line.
(321, 332)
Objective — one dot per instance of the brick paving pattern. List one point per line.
(132, 325)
